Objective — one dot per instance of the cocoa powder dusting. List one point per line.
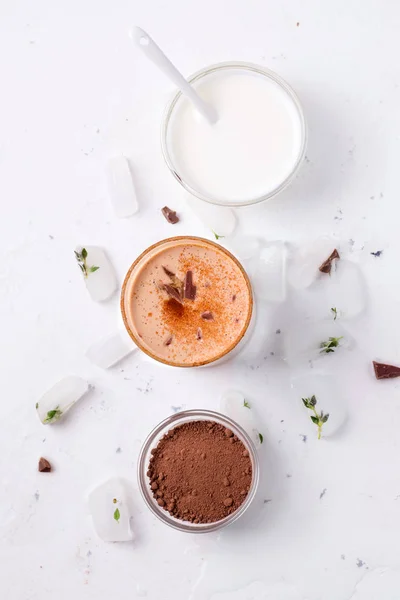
(205, 471)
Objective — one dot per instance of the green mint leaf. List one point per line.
(37, 405)
(117, 515)
(84, 253)
(325, 418)
(217, 237)
(93, 269)
(335, 313)
(78, 256)
(313, 401)
(246, 404)
(306, 402)
(261, 437)
(53, 415)
(314, 419)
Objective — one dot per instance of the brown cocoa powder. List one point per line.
(200, 472)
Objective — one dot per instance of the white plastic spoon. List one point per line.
(157, 56)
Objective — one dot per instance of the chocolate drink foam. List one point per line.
(200, 472)
(183, 293)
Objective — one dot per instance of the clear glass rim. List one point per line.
(249, 67)
(136, 339)
(149, 443)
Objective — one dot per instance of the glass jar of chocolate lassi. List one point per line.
(187, 302)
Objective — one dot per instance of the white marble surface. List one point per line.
(74, 93)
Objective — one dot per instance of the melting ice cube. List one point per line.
(243, 246)
(346, 290)
(234, 404)
(268, 272)
(303, 343)
(111, 510)
(306, 260)
(329, 399)
(110, 350)
(121, 187)
(220, 219)
(97, 272)
(53, 405)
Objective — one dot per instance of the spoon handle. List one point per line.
(157, 56)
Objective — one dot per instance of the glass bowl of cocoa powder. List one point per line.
(198, 471)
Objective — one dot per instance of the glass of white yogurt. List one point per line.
(255, 148)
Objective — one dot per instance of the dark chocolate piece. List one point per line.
(189, 288)
(168, 273)
(207, 316)
(327, 265)
(383, 371)
(168, 341)
(170, 215)
(172, 292)
(44, 466)
(175, 281)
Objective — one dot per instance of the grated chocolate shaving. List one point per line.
(233, 297)
(383, 371)
(172, 292)
(207, 316)
(170, 215)
(327, 265)
(44, 466)
(168, 341)
(189, 288)
(199, 334)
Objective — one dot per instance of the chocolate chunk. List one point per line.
(207, 316)
(170, 215)
(168, 341)
(44, 466)
(173, 292)
(168, 273)
(233, 297)
(199, 334)
(327, 265)
(175, 281)
(189, 287)
(383, 371)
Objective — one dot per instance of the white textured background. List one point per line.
(73, 92)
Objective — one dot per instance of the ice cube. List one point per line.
(345, 290)
(221, 220)
(329, 399)
(234, 404)
(268, 272)
(306, 260)
(121, 187)
(303, 343)
(110, 350)
(243, 246)
(53, 405)
(97, 271)
(111, 510)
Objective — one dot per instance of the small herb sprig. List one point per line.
(334, 311)
(81, 258)
(246, 404)
(330, 345)
(53, 415)
(261, 437)
(217, 237)
(318, 418)
(117, 515)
